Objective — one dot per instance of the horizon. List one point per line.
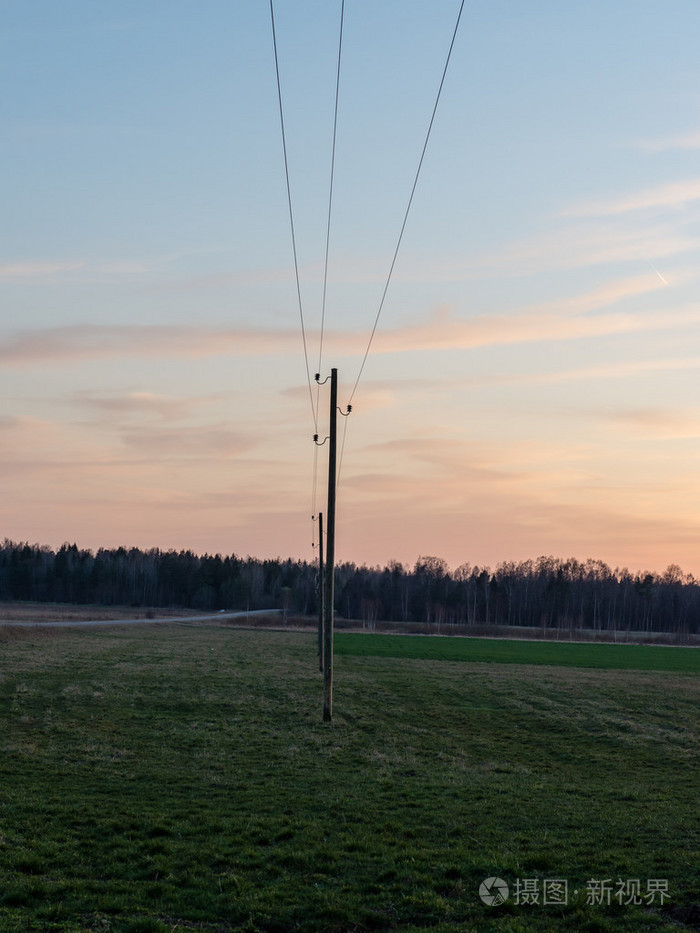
(407, 566)
(532, 388)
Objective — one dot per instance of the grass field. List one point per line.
(180, 778)
(585, 654)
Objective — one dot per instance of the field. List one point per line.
(179, 777)
(587, 655)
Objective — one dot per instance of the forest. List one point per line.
(546, 593)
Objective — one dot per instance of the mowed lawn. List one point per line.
(175, 777)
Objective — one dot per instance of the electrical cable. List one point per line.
(314, 412)
(408, 207)
(342, 451)
(330, 193)
(328, 223)
(315, 407)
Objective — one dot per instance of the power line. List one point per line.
(314, 407)
(330, 193)
(342, 446)
(410, 201)
(314, 412)
(330, 209)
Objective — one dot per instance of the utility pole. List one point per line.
(330, 559)
(321, 592)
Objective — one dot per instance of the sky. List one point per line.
(532, 387)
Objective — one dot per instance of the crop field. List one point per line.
(179, 777)
(585, 654)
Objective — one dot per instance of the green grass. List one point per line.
(175, 778)
(602, 656)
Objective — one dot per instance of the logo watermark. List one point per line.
(493, 891)
(548, 892)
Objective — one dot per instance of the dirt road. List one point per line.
(187, 620)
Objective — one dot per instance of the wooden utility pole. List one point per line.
(330, 559)
(321, 593)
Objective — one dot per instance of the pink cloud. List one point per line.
(184, 443)
(91, 341)
(566, 319)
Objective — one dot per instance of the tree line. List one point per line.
(546, 593)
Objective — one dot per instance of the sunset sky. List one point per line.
(533, 384)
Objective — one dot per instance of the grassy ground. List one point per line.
(604, 656)
(177, 778)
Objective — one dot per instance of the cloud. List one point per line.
(579, 242)
(588, 242)
(33, 270)
(610, 239)
(446, 332)
(155, 427)
(186, 443)
(94, 341)
(441, 331)
(118, 267)
(444, 475)
(678, 141)
(618, 370)
(676, 194)
(608, 294)
(656, 422)
(139, 404)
